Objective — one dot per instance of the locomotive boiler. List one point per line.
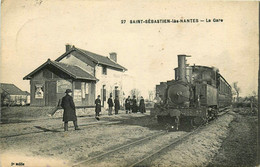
(193, 97)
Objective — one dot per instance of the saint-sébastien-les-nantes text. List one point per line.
(163, 21)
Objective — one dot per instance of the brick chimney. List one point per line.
(68, 47)
(113, 56)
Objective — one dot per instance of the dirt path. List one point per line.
(239, 148)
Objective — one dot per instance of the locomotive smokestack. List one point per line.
(182, 67)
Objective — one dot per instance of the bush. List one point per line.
(241, 104)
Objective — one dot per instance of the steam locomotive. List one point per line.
(194, 97)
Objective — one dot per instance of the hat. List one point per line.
(68, 91)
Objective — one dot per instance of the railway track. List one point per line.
(116, 156)
(44, 130)
(120, 157)
(126, 146)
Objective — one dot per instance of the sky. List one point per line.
(34, 30)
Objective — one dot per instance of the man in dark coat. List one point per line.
(127, 104)
(134, 107)
(142, 105)
(117, 105)
(98, 106)
(69, 113)
(110, 105)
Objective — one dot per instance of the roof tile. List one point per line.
(102, 59)
(76, 71)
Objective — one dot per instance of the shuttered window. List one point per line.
(77, 85)
(104, 70)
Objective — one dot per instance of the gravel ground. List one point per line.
(239, 148)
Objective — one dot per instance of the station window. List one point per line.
(77, 85)
(104, 70)
(86, 88)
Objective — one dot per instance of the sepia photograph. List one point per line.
(97, 83)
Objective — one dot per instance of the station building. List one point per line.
(87, 74)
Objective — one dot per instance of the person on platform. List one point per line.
(142, 105)
(69, 113)
(98, 106)
(127, 104)
(134, 105)
(131, 106)
(110, 105)
(117, 105)
(157, 99)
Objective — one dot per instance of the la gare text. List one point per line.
(162, 21)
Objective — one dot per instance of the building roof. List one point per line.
(26, 92)
(73, 71)
(11, 89)
(99, 59)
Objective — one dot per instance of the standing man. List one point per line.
(142, 105)
(110, 105)
(131, 106)
(98, 106)
(127, 104)
(117, 105)
(69, 113)
(134, 107)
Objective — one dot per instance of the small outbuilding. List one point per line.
(51, 79)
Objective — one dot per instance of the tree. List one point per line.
(233, 92)
(253, 99)
(151, 94)
(135, 92)
(237, 90)
(4, 97)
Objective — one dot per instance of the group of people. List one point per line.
(130, 105)
(69, 113)
(110, 105)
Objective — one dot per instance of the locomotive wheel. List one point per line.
(213, 114)
(170, 123)
(160, 120)
(216, 112)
